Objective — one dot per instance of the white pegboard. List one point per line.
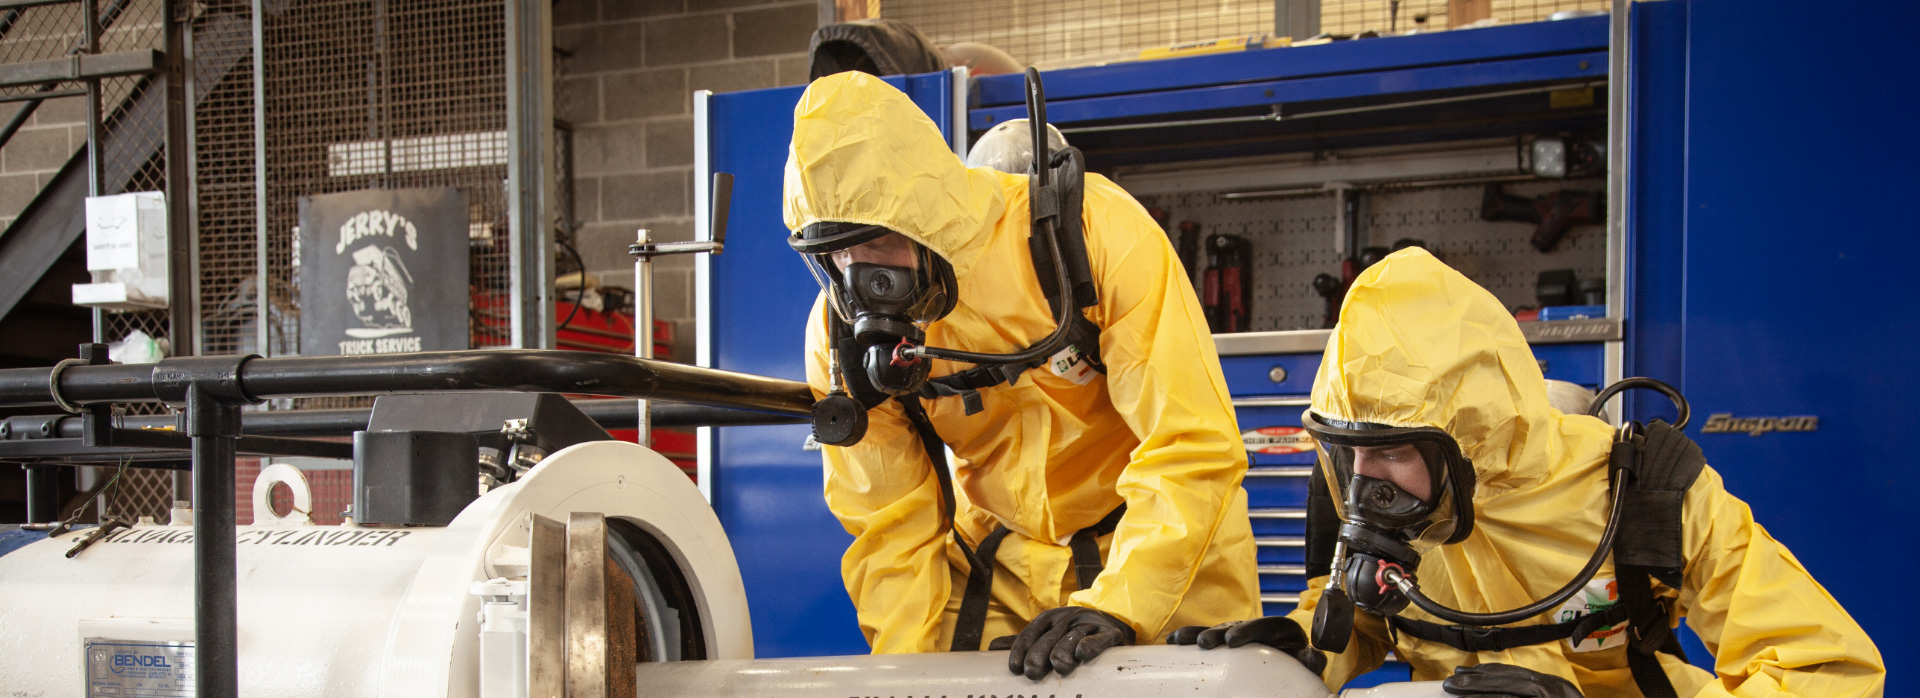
(1294, 239)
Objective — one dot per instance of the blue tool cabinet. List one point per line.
(1743, 279)
(753, 302)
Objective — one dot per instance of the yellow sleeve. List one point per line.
(1772, 629)
(884, 491)
(1165, 381)
(1367, 650)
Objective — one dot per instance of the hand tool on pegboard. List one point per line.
(1552, 214)
(1227, 292)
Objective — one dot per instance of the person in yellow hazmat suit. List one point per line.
(1457, 486)
(1095, 498)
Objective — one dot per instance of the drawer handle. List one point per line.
(1282, 471)
(1283, 569)
(1295, 401)
(1285, 514)
(1279, 598)
(1280, 542)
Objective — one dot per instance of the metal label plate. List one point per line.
(138, 669)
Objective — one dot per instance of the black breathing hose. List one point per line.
(1411, 589)
(1037, 115)
(1672, 393)
(1045, 347)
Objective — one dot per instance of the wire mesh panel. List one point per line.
(1388, 16)
(223, 123)
(38, 34)
(134, 128)
(141, 492)
(133, 119)
(368, 94)
(1055, 33)
(1045, 31)
(136, 137)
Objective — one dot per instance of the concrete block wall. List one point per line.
(38, 151)
(58, 129)
(625, 83)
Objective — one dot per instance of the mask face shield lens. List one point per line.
(869, 271)
(1412, 481)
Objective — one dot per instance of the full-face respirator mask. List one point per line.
(887, 287)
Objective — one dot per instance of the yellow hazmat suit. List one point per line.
(1420, 345)
(1049, 455)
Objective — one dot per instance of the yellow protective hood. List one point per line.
(863, 152)
(1420, 345)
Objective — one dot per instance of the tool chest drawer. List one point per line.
(1278, 603)
(1272, 434)
(1289, 578)
(1274, 550)
(1282, 521)
(1280, 487)
(1270, 374)
(1584, 364)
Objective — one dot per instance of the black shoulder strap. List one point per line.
(937, 458)
(1323, 525)
(1484, 639)
(971, 623)
(1063, 200)
(1085, 545)
(1662, 465)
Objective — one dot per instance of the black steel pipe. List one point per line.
(625, 414)
(608, 413)
(213, 424)
(523, 370)
(43, 494)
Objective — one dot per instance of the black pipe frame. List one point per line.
(608, 413)
(213, 388)
(518, 370)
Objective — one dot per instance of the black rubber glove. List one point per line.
(1278, 632)
(1064, 638)
(1504, 680)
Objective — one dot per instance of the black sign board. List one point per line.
(383, 272)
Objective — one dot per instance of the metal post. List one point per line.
(43, 493)
(183, 489)
(213, 424)
(529, 171)
(262, 284)
(643, 325)
(1619, 164)
(90, 41)
(183, 239)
